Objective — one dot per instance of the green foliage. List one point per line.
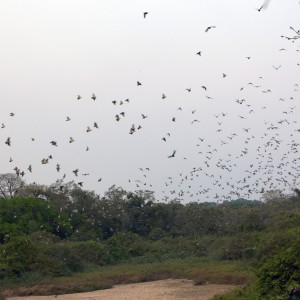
(72, 230)
(281, 272)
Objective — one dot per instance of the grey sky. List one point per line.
(51, 51)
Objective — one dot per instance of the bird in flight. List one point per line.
(145, 14)
(259, 9)
(8, 141)
(199, 53)
(276, 68)
(53, 143)
(209, 28)
(138, 83)
(78, 97)
(173, 154)
(94, 97)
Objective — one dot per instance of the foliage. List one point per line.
(62, 230)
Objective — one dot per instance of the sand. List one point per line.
(170, 289)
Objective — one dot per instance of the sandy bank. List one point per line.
(179, 289)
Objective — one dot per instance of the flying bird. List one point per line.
(8, 141)
(209, 28)
(173, 154)
(145, 14)
(259, 9)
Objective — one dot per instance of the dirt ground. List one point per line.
(171, 289)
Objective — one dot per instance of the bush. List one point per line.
(280, 273)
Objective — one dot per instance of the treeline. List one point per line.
(55, 231)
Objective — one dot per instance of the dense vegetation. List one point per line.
(54, 231)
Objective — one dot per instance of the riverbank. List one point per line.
(169, 289)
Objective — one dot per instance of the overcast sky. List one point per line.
(234, 134)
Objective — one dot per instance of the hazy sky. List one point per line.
(245, 137)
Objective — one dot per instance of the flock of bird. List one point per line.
(266, 154)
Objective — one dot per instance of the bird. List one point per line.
(259, 9)
(138, 83)
(132, 129)
(78, 97)
(276, 68)
(2, 126)
(8, 141)
(209, 27)
(76, 172)
(68, 119)
(88, 129)
(173, 154)
(96, 125)
(144, 116)
(53, 143)
(189, 90)
(71, 140)
(145, 14)
(163, 96)
(199, 53)
(94, 97)
(204, 87)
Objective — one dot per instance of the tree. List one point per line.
(272, 195)
(10, 183)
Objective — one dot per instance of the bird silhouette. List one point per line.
(259, 9)
(8, 141)
(173, 154)
(209, 28)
